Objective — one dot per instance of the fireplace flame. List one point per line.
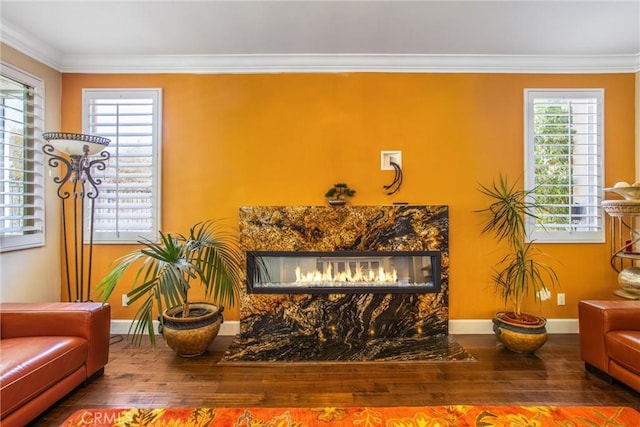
(327, 276)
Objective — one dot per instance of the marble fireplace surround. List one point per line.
(345, 327)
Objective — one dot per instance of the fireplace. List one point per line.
(352, 305)
(342, 272)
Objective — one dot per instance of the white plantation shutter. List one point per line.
(22, 160)
(127, 208)
(564, 163)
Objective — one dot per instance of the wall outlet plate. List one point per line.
(386, 157)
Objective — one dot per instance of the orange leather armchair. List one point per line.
(47, 350)
(610, 339)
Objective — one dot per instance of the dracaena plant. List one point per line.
(167, 269)
(520, 272)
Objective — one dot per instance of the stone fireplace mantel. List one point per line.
(343, 326)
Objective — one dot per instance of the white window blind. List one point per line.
(564, 163)
(22, 169)
(128, 205)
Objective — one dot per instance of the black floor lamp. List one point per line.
(75, 186)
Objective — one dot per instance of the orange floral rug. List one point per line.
(422, 416)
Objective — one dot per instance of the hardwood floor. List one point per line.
(144, 377)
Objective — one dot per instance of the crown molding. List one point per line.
(313, 63)
(325, 63)
(30, 46)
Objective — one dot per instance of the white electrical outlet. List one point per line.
(125, 300)
(386, 157)
(561, 299)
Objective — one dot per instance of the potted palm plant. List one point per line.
(520, 273)
(166, 270)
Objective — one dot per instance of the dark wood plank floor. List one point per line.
(144, 377)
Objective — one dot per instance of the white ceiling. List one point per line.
(325, 35)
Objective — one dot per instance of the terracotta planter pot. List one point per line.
(191, 336)
(524, 334)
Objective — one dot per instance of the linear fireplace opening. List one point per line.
(343, 272)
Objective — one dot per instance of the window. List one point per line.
(22, 168)
(127, 208)
(564, 163)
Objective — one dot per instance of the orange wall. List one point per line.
(284, 139)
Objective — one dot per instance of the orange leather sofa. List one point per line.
(46, 351)
(610, 339)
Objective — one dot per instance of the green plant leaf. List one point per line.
(166, 270)
(519, 272)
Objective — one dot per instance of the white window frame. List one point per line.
(21, 238)
(119, 236)
(595, 176)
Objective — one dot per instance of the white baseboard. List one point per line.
(456, 327)
(485, 326)
(121, 327)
